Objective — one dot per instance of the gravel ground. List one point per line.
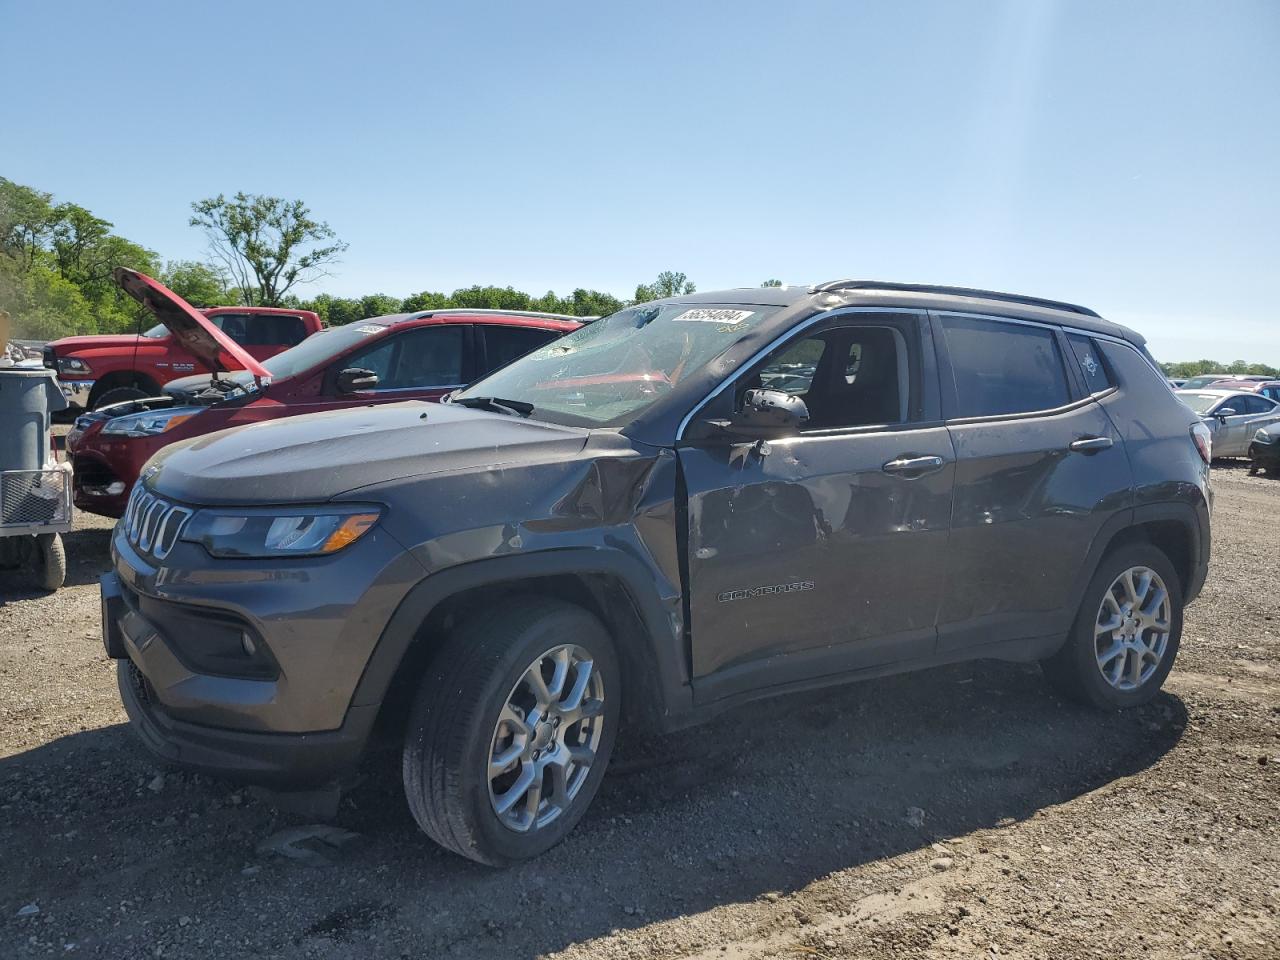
(961, 812)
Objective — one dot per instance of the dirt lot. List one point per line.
(961, 812)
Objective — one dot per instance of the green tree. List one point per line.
(669, 284)
(426, 300)
(772, 283)
(26, 223)
(198, 283)
(378, 305)
(267, 244)
(490, 298)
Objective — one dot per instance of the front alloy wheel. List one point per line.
(546, 738)
(512, 729)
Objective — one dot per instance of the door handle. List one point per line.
(1091, 444)
(915, 466)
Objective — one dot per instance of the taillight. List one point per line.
(1203, 440)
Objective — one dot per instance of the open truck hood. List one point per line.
(189, 326)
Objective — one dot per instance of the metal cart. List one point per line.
(35, 490)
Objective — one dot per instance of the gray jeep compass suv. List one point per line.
(681, 507)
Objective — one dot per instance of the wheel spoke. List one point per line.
(1152, 607)
(501, 762)
(1113, 651)
(1110, 626)
(560, 674)
(534, 799)
(505, 801)
(1135, 667)
(573, 700)
(538, 686)
(514, 720)
(559, 770)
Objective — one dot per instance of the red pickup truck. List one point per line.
(96, 371)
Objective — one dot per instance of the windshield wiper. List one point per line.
(519, 407)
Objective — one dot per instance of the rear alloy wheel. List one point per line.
(1131, 632)
(512, 730)
(1126, 634)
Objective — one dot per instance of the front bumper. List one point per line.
(276, 759)
(1266, 454)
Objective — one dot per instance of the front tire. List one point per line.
(512, 730)
(119, 395)
(1126, 634)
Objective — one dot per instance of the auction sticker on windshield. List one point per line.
(715, 315)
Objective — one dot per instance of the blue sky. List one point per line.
(1122, 155)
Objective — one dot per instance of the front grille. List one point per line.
(151, 524)
(34, 497)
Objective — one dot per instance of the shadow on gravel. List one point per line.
(768, 798)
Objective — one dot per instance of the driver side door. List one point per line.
(821, 553)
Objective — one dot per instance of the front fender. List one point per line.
(661, 617)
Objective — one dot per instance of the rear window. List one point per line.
(1092, 367)
(1200, 402)
(1004, 368)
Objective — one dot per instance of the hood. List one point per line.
(317, 456)
(189, 326)
(108, 341)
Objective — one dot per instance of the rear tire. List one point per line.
(479, 729)
(1123, 666)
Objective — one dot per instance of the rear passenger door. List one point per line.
(1039, 469)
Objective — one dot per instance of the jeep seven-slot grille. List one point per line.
(152, 524)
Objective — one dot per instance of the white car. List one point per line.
(1232, 416)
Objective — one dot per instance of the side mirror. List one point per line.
(1226, 412)
(355, 379)
(768, 415)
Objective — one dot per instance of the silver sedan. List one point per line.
(1232, 416)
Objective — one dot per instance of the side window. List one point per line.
(1271, 393)
(377, 358)
(428, 357)
(1091, 366)
(1004, 368)
(234, 325)
(276, 331)
(793, 369)
(425, 357)
(1257, 405)
(504, 344)
(848, 377)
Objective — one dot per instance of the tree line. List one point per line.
(56, 261)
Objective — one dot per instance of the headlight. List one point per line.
(1262, 436)
(73, 366)
(280, 532)
(150, 423)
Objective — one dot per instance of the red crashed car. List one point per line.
(411, 356)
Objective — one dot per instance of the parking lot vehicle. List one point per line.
(96, 371)
(1232, 416)
(411, 356)
(1267, 388)
(626, 525)
(1264, 451)
(1204, 380)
